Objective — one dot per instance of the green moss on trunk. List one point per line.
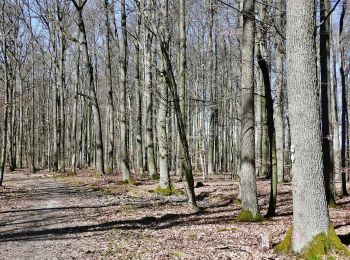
(286, 244)
(131, 181)
(247, 216)
(167, 191)
(155, 177)
(321, 245)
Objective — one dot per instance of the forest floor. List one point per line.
(52, 216)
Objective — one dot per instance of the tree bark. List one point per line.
(7, 96)
(124, 104)
(109, 89)
(278, 108)
(325, 93)
(344, 114)
(310, 213)
(247, 173)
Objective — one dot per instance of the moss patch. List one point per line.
(168, 191)
(321, 245)
(223, 229)
(155, 177)
(286, 244)
(131, 181)
(335, 243)
(97, 175)
(109, 170)
(332, 204)
(71, 174)
(237, 201)
(247, 216)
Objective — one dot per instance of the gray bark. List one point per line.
(164, 179)
(310, 213)
(109, 89)
(148, 59)
(247, 173)
(278, 113)
(124, 103)
(7, 96)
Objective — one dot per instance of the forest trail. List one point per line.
(82, 217)
(41, 220)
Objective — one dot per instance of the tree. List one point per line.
(139, 137)
(4, 49)
(123, 106)
(164, 178)
(311, 232)
(249, 199)
(61, 87)
(325, 95)
(92, 92)
(344, 113)
(272, 162)
(278, 108)
(172, 86)
(109, 88)
(148, 81)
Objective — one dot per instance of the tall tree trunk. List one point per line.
(124, 104)
(74, 119)
(164, 179)
(92, 96)
(344, 120)
(21, 125)
(61, 84)
(148, 59)
(7, 96)
(334, 91)
(109, 89)
(211, 76)
(247, 173)
(181, 166)
(310, 213)
(139, 139)
(170, 80)
(271, 133)
(325, 89)
(278, 108)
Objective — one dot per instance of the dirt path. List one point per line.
(83, 217)
(50, 219)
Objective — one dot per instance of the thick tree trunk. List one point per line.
(247, 173)
(310, 213)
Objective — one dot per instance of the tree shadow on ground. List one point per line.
(203, 216)
(345, 239)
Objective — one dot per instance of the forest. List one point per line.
(174, 129)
